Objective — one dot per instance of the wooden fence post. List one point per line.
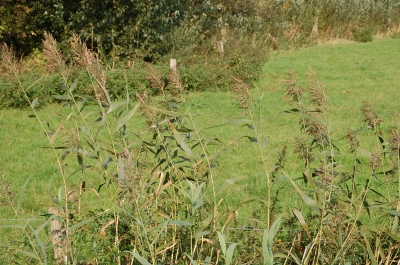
(56, 233)
(172, 64)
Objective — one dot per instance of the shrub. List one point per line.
(363, 35)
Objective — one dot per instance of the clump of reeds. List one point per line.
(242, 93)
(53, 55)
(155, 78)
(11, 66)
(371, 118)
(352, 139)
(302, 150)
(316, 89)
(293, 91)
(90, 61)
(175, 84)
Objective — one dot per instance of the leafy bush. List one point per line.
(141, 30)
(365, 35)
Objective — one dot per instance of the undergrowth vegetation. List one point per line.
(153, 194)
(211, 40)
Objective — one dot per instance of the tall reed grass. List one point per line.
(161, 201)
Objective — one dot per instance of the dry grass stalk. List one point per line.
(314, 128)
(302, 150)
(155, 78)
(11, 66)
(54, 56)
(316, 89)
(175, 81)
(131, 181)
(352, 139)
(375, 161)
(293, 91)
(370, 116)
(89, 60)
(394, 140)
(242, 92)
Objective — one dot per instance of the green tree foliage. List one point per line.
(148, 28)
(124, 26)
(22, 22)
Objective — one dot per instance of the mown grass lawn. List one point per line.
(352, 73)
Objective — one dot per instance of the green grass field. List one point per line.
(351, 72)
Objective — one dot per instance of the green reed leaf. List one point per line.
(370, 252)
(229, 253)
(122, 121)
(228, 183)
(115, 106)
(167, 112)
(142, 260)
(310, 202)
(222, 242)
(192, 261)
(200, 230)
(21, 194)
(181, 141)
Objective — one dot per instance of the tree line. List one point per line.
(145, 28)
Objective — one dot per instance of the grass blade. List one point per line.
(274, 230)
(181, 141)
(21, 194)
(266, 250)
(199, 231)
(115, 106)
(40, 243)
(167, 112)
(142, 260)
(191, 259)
(229, 253)
(222, 242)
(301, 220)
(228, 183)
(126, 118)
(370, 252)
(310, 202)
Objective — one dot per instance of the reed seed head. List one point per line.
(242, 92)
(293, 91)
(370, 116)
(10, 65)
(54, 56)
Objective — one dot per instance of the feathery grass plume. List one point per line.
(352, 139)
(375, 161)
(174, 80)
(281, 157)
(316, 89)
(11, 66)
(394, 140)
(314, 128)
(242, 92)
(302, 150)
(7, 196)
(370, 116)
(71, 138)
(89, 60)
(155, 78)
(293, 91)
(54, 56)
(131, 176)
(149, 114)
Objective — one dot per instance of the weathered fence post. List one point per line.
(56, 233)
(172, 64)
